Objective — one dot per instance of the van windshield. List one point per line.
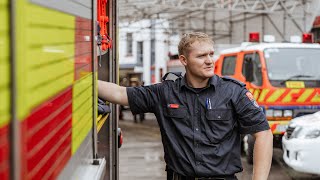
(293, 64)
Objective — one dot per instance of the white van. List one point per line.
(301, 144)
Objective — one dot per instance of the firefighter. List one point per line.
(201, 117)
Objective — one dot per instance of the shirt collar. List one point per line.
(212, 81)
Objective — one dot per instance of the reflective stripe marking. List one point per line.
(276, 94)
(273, 126)
(263, 95)
(288, 97)
(4, 66)
(82, 111)
(316, 97)
(283, 95)
(256, 93)
(45, 54)
(305, 95)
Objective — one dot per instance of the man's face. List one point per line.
(199, 62)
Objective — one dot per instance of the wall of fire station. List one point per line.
(150, 70)
(236, 29)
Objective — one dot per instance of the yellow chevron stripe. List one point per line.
(5, 94)
(251, 90)
(263, 95)
(276, 94)
(305, 95)
(316, 98)
(277, 124)
(288, 97)
(256, 94)
(45, 54)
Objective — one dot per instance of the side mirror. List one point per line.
(248, 65)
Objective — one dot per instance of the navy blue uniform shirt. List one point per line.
(200, 128)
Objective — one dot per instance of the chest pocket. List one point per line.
(178, 116)
(220, 124)
(179, 113)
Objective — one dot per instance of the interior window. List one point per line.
(229, 65)
(254, 58)
(129, 44)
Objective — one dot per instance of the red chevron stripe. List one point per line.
(314, 93)
(268, 95)
(4, 152)
(273, 127)
(45, 136)
(296, 96)
(283, 95)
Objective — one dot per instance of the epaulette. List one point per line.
(178, 74)
(226, 78)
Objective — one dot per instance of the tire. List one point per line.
(249, 140)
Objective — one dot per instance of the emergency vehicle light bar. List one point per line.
(295, 39)
(254, 37)
(269, 38)
(307, 38)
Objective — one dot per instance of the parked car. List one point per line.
(301, 144)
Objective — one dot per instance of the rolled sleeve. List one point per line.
(250, 116)
(142, 99)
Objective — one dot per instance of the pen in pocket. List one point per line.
(208, 103)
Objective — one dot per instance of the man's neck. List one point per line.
(195, 82)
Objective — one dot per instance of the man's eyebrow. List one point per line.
(205, 53)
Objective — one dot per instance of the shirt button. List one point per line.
(198, 95)
(197, 111)
(197, 129)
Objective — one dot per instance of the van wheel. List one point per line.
(249, 144)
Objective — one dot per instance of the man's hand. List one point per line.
(262, 155)
(113, 93)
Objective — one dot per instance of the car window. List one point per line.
(229, 65)
(257, 74)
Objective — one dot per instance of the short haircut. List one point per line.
(189, 38)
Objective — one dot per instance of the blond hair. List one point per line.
(189, 38)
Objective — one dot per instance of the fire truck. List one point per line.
(284, 79)
(51, 55)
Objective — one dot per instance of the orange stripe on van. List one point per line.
(305, 95)
(275, 95)
(316, 97)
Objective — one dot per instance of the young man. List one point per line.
(201, 117)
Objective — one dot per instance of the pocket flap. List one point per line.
(180, 112)
(219, 115)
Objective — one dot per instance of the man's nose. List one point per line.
(209, 59)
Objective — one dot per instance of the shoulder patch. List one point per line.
(251, 98)
(226, 78)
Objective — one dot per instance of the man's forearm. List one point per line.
(112, 92)
(262, 155)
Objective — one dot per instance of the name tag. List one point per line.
(173, 106)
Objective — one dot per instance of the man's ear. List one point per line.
(183, 60)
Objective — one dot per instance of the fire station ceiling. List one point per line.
(219, 17)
